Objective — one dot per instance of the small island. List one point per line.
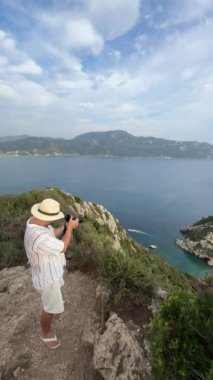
(198, 239)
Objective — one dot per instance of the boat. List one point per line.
(153, 246)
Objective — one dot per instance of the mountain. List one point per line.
(115, 143)
(13, 138)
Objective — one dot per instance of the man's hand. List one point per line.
(72, 224)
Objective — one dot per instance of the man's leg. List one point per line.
(46, 321)
(52, 303)
(47, 333)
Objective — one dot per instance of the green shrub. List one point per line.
(181, 337)
(78, 199)
(209, 219)
(93, 250)
(131, 272)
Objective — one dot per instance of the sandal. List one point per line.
(49, 340)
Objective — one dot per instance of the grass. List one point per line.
(132, 271)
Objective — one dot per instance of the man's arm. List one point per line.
(68, 234)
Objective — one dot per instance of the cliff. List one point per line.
(198, 239)
(115, 287)
(100, 243)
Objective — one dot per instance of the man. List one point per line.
(45, 252)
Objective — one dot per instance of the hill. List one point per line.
(13, 138)
(125, 301)
(115, 143)
(99, 241)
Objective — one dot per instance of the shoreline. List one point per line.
(187, 245)
(48, 155)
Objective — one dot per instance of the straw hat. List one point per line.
(48, 210)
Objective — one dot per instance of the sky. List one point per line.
(73, 66)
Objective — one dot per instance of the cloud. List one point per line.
(76, 84)
(6, 91)
(72, 31)
(189, 72)
(6, 41)
(14, 60)
(33, 94)
(189, 11)
(140, 42)
(25, 93)
(113, 18)
(27, 67)
(71, 69)
(116, 55)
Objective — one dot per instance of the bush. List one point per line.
(181, 337)
(132, 271)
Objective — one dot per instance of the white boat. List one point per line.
(153, 246)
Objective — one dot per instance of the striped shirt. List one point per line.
(43, 250)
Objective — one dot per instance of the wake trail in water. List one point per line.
(138, 232)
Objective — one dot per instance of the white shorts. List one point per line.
(51, 297)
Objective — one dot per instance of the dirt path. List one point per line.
(24, 356)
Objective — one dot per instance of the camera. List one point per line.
(73, 217)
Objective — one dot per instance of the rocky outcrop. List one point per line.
(192, 247)
(101, 215)
(198, 240)
(14, 279)
(22, 354)
(117, 354)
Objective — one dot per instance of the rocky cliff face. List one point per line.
(89, 349)
(198, 239)
(102, 216)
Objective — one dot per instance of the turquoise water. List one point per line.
(149, 195)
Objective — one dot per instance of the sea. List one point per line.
(151, 198)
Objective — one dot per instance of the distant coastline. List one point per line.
(106, 144)
(101, 155)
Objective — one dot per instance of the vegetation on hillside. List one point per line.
(92, 247)
(204, 221)
(113, 143)
(180, 333)
(199, 234)
(182, 336)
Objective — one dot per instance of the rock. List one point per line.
(4, 284)
(161, 293)
(22, 354)
(18, 283)
(13, 279)
(112, 224)
(16, 373)
(91, 331)
(198, 239)
(210, 262)
(78, 207)
(15, 364)
(116, 244)
(191, 246)
(117, 355)
(8, 272)
(153, 307)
